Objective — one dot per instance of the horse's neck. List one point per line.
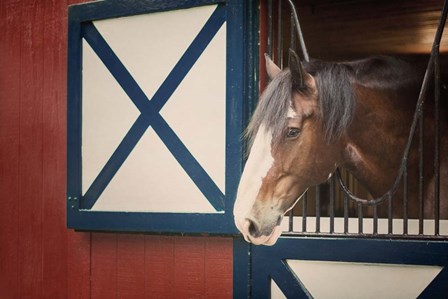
(376, 139)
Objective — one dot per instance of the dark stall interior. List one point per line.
(347, 30)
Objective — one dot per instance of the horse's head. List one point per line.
(289, 152)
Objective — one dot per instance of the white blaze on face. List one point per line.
(257, 166)
(291, 112)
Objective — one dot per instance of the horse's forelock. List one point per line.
(335, 96)
(272, 107)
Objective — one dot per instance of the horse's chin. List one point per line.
(265, 240)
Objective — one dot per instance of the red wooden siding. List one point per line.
(39, 257)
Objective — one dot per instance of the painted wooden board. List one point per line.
(150, 46)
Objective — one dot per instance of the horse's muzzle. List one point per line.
(254, 233)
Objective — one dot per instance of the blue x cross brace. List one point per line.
(150, 111)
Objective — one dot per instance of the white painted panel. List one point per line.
(197, 110)
(327, 280)
(276, 293)
(107, 115)
(150, 45)
(152, 180)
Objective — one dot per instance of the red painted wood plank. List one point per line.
(78, 265)
(30, 151)
(189, 276)
(9, 146)
(159, 267)
(104, 266)
(218, 268)
(54, 233)
(130, 266)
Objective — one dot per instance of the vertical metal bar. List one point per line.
(292, 41)
(291, 220)
(304, 210)
(345, 213)
(405, 200)
(270, 47)
(279, 35)
(421, 172)
(299, 32)
(389, 215)
(317, 199)
(360, 219)
(375, 219)
(436, 142)
(332, 184)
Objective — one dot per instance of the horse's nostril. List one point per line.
(254, 229)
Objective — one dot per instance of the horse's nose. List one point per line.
(253, 228)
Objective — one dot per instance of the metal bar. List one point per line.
(299, 32)
(332, 184)
(345, 213)
(389, 216)
(317, 200)
(420, 102)
(291, 221)
(292, 39)
(405, 201)
(360, 219)
(304, 210)
(279, 35)
(436, 143)
(270, 31)
(421, 204)
(375, 220)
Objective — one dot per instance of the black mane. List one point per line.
(336, 95)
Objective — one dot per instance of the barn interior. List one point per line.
(347, 30)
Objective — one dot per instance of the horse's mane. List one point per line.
(336, 95)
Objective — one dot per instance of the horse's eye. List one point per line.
(292, 133)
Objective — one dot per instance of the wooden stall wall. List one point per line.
(39, 256)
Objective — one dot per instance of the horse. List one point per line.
(316, 116)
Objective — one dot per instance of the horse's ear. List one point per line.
(271, 68)
(298, 73)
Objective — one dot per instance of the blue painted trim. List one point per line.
(120, 8)
(242, 12)
(267, 261)
(438, 288)
(235, 99)
(189, 163)
(241, 268)
(79, 216)
(288, 282)
(88, 220)
(74, 111)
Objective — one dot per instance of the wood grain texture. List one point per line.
(54, 234)
(30, 151)
(78, 265)
(131, 266)
(103, 266)
(344, 29)
(10, 14)
(159, 266)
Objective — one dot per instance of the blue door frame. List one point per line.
(264, 263)
(239, 95)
